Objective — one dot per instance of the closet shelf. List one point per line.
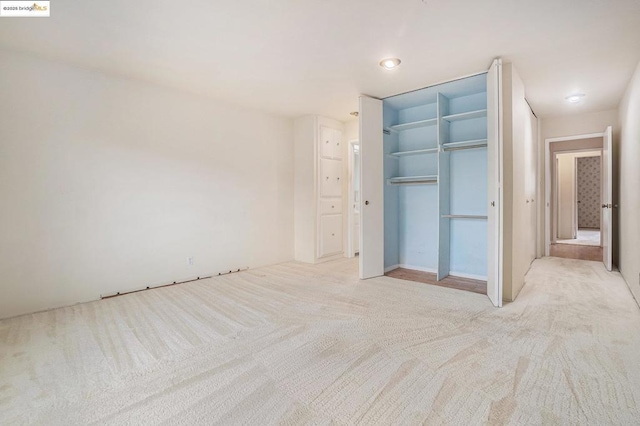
(414, 152)
(465, 115)
(413, 125)
(413, 180)
(471, 144)
(464, 216)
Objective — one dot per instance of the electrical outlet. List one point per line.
(190, 261)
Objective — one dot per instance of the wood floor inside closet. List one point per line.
(466, 284)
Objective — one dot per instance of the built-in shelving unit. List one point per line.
(435, 165)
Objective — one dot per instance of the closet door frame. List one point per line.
(547, 181)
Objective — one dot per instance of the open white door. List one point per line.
(607, 199)
(371, 188)
(494, 171)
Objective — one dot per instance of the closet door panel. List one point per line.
(330, 234)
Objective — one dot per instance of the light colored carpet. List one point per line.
(585, 237)
(299, 344)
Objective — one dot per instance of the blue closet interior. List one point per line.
(435, 170)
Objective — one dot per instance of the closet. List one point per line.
(318, 188)
(430, 171)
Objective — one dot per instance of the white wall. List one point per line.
(352, 130)
(110, 185)
(305, 189)
(629, 177)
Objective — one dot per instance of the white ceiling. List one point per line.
(295, 57)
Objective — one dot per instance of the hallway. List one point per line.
(295, 343)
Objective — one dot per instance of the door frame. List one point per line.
(547, 181)
(350, 252)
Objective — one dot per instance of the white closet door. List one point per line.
(607, 199)
(494, 183)
(371, 188)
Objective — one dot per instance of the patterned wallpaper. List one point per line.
(589, 192)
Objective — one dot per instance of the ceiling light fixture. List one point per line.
(575, 98)
(390, 63)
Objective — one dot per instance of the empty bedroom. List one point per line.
(319, 212)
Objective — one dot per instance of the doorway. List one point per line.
(580, 178)
(576, 204)
(578, 195)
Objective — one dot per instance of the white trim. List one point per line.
(471, 276)
(547, 181)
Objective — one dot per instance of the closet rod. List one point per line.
(457, 148)
(464, 216)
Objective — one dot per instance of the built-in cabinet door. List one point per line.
(326, 142)
(330, 234)
(330, 182)
(330, 143)
(494, 184)
(371, 188)
(332, 206)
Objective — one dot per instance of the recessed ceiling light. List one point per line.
(575, 98)
(390, 63)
